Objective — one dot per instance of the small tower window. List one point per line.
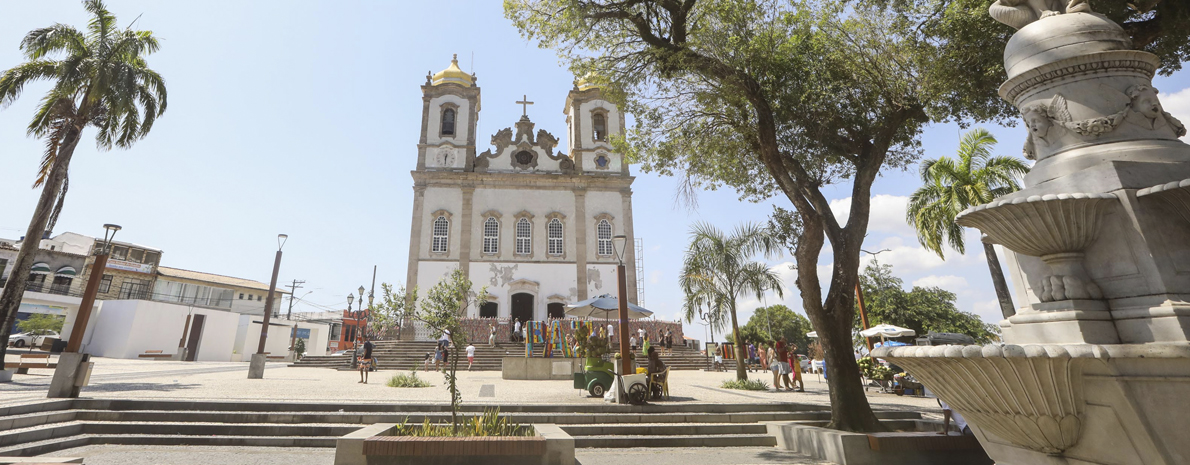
(555, 237)
(491, 235)
(599, 123)
(448, 122)
(524, 237)
(604, 231)
(441, 235)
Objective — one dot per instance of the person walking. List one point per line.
(365, 361)
(796, 367)
(783, 363)
(762, 357)
(516, 332)
(632, 343)
(470, 356)
(774, 364)
(491, 335)
(669, 341)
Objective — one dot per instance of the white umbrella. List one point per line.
(813, 334)
(603, 306)
(883, 330)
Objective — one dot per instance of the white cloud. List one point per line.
(887, 213)
(988, 311)
(655, 277)
(949, 282)
(1178, 104)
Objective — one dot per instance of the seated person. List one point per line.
(655, 366)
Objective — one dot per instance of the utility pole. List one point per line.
(293, 295)
(371, 295)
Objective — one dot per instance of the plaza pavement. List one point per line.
(148, 379)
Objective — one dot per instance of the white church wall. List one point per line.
(446, 156)
(462, 121)
(503, 161)
(600, 202)
(430, 273)
(551, 279)
(601, 279)
(441, 198)
(509, 202)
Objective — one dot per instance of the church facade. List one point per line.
(533, 225)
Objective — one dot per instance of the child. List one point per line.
(470, 356)
(426, 361)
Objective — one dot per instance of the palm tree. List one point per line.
(951, 186)
(718, 269)
(100, 79)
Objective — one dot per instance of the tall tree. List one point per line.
(922, 309)
(951, 185)
(718, 269)
(101, 80)
(772, 97)
(775, 322)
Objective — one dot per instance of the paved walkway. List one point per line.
(196, 455)
(142, 379)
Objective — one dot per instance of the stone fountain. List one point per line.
(1095, 367)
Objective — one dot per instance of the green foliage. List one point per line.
(873, 369)
(745, 384)
(783, 323)
(925, 310)
(392, 309)
(299, 347)
(952, 185)
(444, 306)
(718, 269)
(407, 381)
(41, 322)
(488, 424)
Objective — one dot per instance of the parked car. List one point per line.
(32, 338)
(804, 363)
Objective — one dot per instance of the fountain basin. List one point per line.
(1174, 194)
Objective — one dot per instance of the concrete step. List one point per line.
(718, 440)
(663, 429)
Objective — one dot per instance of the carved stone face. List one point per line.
(1037, 121)
(1146, 103)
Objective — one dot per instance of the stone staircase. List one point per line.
(403, 355)
(49, 426)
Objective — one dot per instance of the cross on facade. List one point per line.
(524, 102)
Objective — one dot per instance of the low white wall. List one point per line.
(277, 343)
(128, 328)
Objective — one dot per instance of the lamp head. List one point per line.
(109, 233)
(350, 299)
(361, 292)
(619, 243)
(281, 238)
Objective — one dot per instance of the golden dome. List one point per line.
(584, 83)
(452, 74)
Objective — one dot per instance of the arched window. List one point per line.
(604, 233)
(491, 235)
(489, 310)
(441, 235)
(524, 237)
(599, 123)
(448, 122)
(554, 228)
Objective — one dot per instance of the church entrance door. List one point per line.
(522, 306)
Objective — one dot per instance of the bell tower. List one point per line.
(591, 122)
(450, 110)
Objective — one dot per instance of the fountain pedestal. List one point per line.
(1097, 366)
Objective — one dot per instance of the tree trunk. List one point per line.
(998, 281)
(741, 372)
(850, 410)
(14, 291)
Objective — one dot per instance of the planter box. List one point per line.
(917, 444)
(538, 368)
(373, 445)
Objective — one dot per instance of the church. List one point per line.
(533, 225)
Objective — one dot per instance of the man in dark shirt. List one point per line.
(365, 361)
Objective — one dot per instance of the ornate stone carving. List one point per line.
(1144, 101)
(1029, 395)
(1175, 194)
(1019, 13)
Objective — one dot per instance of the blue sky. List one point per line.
(303, 117)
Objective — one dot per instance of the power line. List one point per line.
(293, 295)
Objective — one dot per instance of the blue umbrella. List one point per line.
(603, 306)
(889, 344)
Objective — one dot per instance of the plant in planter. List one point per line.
(442, 311)
(597, 374)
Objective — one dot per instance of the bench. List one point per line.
(31, 361)
(155, 354)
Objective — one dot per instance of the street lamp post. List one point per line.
(354, 331)
(619, 242)
(256, 367)
(73, 366)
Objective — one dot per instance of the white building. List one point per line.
(533, 225)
